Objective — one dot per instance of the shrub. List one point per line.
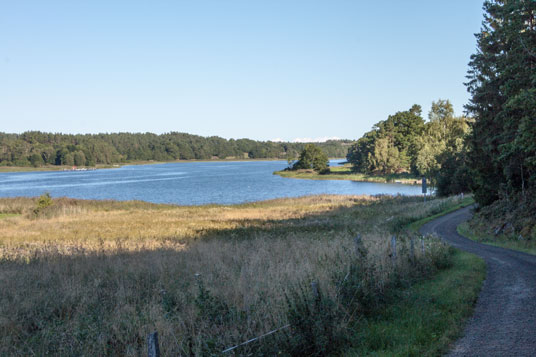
(312, 157)
(43, 202)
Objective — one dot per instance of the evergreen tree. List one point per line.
(502, 82)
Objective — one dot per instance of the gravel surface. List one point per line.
(504, 321)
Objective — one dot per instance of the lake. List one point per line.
(187, 183)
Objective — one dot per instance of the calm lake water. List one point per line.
(192, 183)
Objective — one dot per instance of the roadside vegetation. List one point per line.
(425, 318)
(462, 202)
(505, 225)
(95, 277)
(500, 240)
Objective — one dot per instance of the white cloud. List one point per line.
(307, 140)
(315, 140)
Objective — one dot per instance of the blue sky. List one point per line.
(258, 69)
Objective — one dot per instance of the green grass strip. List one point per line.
(415, 226)
(428, 316)
(7, 215)
(526, 246)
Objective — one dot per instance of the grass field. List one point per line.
(95, 277)
(345, 173)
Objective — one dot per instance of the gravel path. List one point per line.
(504, 321)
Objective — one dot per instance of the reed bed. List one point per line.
(95, 277)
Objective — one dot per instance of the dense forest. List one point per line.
(406, 143)
(502, 82)
(502, 145)
(37, 149)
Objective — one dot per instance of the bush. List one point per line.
(43, 202)
(312, 157)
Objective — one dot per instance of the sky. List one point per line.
(260, 69)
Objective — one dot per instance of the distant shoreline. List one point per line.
(5, 169)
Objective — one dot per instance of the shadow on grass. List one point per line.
(105, 304)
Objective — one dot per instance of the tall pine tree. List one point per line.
(502, 82)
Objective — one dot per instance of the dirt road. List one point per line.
(504, 321)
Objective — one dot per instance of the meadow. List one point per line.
(83, 277)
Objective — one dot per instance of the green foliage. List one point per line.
(37, 148)
(454, 177)
(502, 79)
(346, 173)
(442, 150)
(422, 319)
(36, 160)
(391, 146)
(386, 157)
(510, 223)
(43, 202)
(405, 143)
(312, 157)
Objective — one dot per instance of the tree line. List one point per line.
(492, 151)
(502, 84)
(406, 143)
(36, 149)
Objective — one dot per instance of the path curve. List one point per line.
(504, 320)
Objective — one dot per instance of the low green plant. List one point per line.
(43, 202)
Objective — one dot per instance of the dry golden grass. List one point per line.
(95, 277)
(76, 226)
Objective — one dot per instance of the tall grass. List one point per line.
(95, 277)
